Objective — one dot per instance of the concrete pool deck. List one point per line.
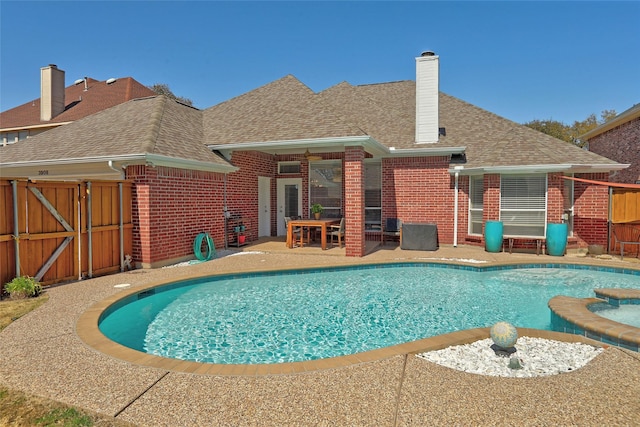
(42, 354)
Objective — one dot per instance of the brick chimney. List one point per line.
(51, 92)
(427, 90)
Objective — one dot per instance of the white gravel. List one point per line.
(536, 356)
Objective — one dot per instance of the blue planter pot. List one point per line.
(556, 239)
(493, 232)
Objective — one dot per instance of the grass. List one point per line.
(11, 310)
(20, 409)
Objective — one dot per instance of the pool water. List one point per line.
(627, 314)
(319, 314)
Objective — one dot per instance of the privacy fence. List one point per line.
(624, 210)
(62, 231)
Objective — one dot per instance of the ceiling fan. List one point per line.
(310, 156)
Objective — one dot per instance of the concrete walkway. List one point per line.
(42, 354)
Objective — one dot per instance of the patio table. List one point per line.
(323, 224)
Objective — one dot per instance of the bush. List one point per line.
(23, 287)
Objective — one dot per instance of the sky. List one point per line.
(521, 60)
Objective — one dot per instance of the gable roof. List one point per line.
(622, 118)
(282, 110)
(154, 130)
(79, 102)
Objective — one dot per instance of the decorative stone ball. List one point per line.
(504, 334)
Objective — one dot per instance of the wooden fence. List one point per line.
(625, 209)
(62, 231)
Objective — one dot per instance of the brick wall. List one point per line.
(170, 208)
(242, 188)
(591, 211)
(421, 190)
(621, 144)
(354, 201)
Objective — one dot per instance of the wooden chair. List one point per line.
(392, 229)
(626, 235)
(296, 233)
(337, 231)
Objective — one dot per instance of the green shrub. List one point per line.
(23, 287)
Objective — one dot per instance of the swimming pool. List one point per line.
(322, 313)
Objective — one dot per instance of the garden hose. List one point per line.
(197, 247)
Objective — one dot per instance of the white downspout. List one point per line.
(455, 208)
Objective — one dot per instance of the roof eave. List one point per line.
(568, 168)
(418, 152)
(631, 114)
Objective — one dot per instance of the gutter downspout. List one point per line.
(455, 208)
(120, 171)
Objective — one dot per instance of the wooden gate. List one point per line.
(61, 231)
(625, 209)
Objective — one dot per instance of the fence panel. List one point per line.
(57, 238)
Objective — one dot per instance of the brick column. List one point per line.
(555, 199)
(354, 201)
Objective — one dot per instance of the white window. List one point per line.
(476, 195)
(325, 186)
(523, 204)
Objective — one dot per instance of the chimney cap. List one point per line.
(428, 53)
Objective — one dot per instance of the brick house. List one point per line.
(619, 139)
(366, 153)
(59, 105)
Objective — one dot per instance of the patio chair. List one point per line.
(626, 235)
(296, 233)
(392, 229)
(337, 231)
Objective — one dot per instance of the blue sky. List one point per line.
(521, 60)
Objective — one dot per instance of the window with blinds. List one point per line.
(476, 195)
(523, 204)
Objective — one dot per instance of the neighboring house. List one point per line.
(368, 153)
(619, 139)
(58, 105)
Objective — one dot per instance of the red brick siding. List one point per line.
(621, 144)
(242, 188)
(354, 201)
(591, 211)
(170, 208)
(421, 190)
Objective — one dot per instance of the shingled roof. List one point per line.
(139, 129)
(80, 103)
(282, 110)
(287, 110)
(387, 113)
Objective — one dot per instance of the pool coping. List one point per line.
(576, 318)
(88, 331)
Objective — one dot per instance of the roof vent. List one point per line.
(428, 53)
(111, 81)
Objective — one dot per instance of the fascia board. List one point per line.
(130, 159)
(538, 169)
(28, 127)
(157, 160)
(420, 152)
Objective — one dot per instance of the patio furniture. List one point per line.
(625, 235)
(337, 231)
(294, 234)
(419, 236)
(392, 229)
(323, 224)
